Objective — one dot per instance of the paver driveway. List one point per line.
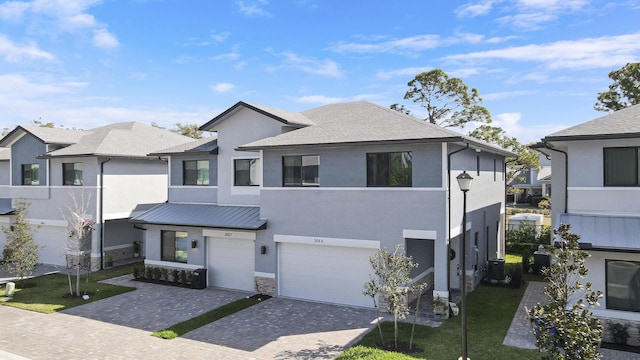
(119, 327)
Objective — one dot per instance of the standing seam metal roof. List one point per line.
(204, 215)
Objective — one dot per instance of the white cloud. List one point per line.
(411, 44)
(319, 99)
(406, 72)
(220, 37)
(511, 124)
(14, 87)
(12, 11)
(226, 57)
(103, 39)
(12, 52)
(222, 87)
(474, 9)
(253, 8)
(325, 67)
(506, 94)
(601, 52)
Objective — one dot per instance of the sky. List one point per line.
(538, 64)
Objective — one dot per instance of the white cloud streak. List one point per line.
(326, 67)
(12, 52)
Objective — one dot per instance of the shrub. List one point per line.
(183, 277)
(164, 274)
(175, 274)
(157, 273)
(137, 273)
(149, 272)
(515, 273)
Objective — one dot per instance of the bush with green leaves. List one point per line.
(619, 332)
(565, 327)
(21, 251)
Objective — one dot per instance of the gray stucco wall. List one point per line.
(25, 151)
(90, 169)
(152, 243)
(5, 170)
(176, 171)
(347, 166)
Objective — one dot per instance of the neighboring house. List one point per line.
(533, 182)
(294, 204)
(108, 166)
(596, 190)
(5, 200)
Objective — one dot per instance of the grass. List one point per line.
(48, 293)
(206, 318)
(489, 314)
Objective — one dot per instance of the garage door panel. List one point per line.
(231, 263)
(324, 273)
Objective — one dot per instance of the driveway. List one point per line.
(119, 327)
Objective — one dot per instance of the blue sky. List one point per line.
(538, 64)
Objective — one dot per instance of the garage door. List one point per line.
(333, 274)
(230, 263)
(52, 242)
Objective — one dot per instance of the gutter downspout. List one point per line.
(566, 175)
(449, 212)
(102, 212)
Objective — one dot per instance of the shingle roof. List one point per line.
(127, 139)
(362, 122)
(623, 123)
(207, 145)
(204, 215)
(286, 117)
(46, 135)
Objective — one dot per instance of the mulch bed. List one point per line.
(403, 347)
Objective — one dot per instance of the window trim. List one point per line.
(184, 172)
(74, 171)
(31, 167)
(302, 177)
(369, 180)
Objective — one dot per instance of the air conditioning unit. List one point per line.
(495, 269)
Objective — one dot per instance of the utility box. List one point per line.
(199, 279)
(533, 220)
(495, 269)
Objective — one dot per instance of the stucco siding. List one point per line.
(152, 246)
(176, 168)
(25, 151)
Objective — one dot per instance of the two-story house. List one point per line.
(107, 167)
(533, 183)
(294, 204)
(596, 190)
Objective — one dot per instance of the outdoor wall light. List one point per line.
(194, 243)
(263, 249)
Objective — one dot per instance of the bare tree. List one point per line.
(79, 228)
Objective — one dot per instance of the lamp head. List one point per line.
(464, 181)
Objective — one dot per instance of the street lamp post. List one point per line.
(464, 181)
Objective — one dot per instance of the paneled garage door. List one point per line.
(52, 242)
(333, 274)
(230, 263)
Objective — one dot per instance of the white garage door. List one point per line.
(333, 274)
(231, 263)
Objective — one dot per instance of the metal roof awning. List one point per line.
(600, 232)
(5, 207)
(204, 215)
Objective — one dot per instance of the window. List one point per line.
(30, 174)
(389, 169)
(621, 166)
(174, 246)
(72, 174)
(246, 172)
(196, 172)
(301, 170)
(623, 285)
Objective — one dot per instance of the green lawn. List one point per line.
(490, 310)
(47, 295)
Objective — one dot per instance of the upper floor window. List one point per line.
(174, 246)
(30, 174)
(195, 172)
(72, 174)
(302, 170)
(623, 285)
(621, 166)
(389, 169)
(246, 172)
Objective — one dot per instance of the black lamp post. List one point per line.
(464, 181)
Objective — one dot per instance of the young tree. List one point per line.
(79, 229)
(448, 101)
(389, 282)
(21, 252)
(625, 90)
(564, 327)
(190, 130)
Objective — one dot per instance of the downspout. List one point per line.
(449, 212)
(102, 212)
(566, 175)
